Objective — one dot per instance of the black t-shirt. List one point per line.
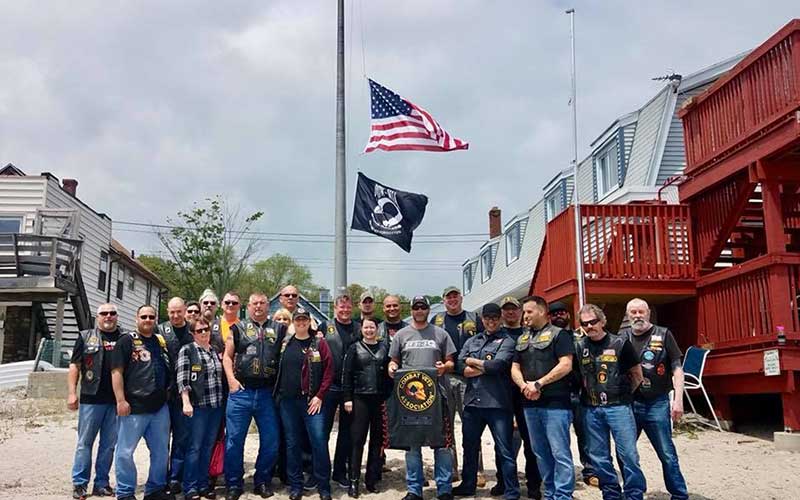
(105, 392)
(122, 358)
(562, 346)
(292, 361)
(392, 328)
(182, 334)
(348, 334)
(451, 326)
(673, 351)
(514, 333)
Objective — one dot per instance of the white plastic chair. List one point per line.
(693, 365)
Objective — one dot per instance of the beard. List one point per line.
(640, 325)
(560, 322)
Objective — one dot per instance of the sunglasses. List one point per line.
(148, 316)
(591, 322)
(202, 330)
(231, 303)
(289, 295)
(107, 313)
(419, 308)
(492, 317)
(193, 311)
(209, 303)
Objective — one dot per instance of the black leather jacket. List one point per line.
(365, 372)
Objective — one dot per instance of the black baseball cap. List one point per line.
(300, 312)
(490, 309)
(420, 300)
(558, 306)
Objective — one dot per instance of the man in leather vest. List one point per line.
(540, 370)
(97, 411)
(423, 345)
(251, 361)
(392, 322)
(485, 361)
(209, 304)
(560, 317)
(289, 297)
(176, 333)
(221, 327)
(610, 371)
(366, 305)
(141, 376)
(339, 334)
(460, 325)
(662, 372)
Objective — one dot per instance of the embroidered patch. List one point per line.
(661, 370)
(196, 368)
(602, 377)
(89, 376)
(609, 358)
(649, 356)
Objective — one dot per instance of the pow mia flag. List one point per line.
(387, 212)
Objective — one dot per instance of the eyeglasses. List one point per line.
(591, 322)
(202, 330)
(419, 308)
(107, 313)
(289, 295)
(492, 317)
(231, 303)
(148, 316)
(209, 302)
(193, 311)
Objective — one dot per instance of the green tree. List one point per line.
(210, 247)
(169, 274)
(270, 274)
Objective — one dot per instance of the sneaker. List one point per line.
(462, 491)
(411, 496)
(79, 492)
(175, 487)
(480, 481)
(103, 491)
(310, 484)
(209, 493)
(263, 490)
(342, 481)
(498, 490)
(233, 494)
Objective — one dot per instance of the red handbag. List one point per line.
(217, 463)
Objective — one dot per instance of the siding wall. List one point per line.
(645, 139)
(586, 181)
(131, 299)
(673, 162)
(22, 196)
(94, 230)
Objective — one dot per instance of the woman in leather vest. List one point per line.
(365, 382)
(199, 377)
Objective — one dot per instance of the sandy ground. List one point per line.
(37, 439)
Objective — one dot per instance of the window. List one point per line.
(149, 296)
(487, 263)
(120, 281)
(513, 243)
(607, 170)
(102, 276)
(9, 225)
(131, 280)
(469, 276)
(552, 206)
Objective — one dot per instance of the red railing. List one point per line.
(632, 242)
(757, 94)
(745, 303)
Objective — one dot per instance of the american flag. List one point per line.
(400, 125)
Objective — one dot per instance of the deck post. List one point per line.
(780, 295)
(59, 330)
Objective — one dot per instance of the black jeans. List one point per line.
(367, 416)
(335, 400)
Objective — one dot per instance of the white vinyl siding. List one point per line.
(20, 197)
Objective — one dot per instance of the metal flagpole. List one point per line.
(340, 211)
(578, 231)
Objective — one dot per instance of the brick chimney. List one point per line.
(70, 186)
(495, 225)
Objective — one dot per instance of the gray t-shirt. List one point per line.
(421, 348)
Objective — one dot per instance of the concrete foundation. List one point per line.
(49, 384)
(787, 441)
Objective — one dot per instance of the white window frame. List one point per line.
(552, 205)
(16, 218)
(486, 274)
(606, 170)
(513, 248)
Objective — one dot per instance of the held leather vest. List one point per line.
(257, 349)
(313, 361)
(656, 367)
(140, 374)
(92, 365)
(603, 383)
(417, 410)
(199, 373)
(369, 368)
(538, 357)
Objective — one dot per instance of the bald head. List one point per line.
(288, 297)
(176, 310)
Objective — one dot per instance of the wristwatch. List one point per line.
(537, 385)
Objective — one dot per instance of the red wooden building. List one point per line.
(722, 268)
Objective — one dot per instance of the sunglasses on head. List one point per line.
(289, 295)
(148, 316)
(591, 322)
(202, 330)
(231, 303)
(107, 313)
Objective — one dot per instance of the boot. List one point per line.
(352, 490)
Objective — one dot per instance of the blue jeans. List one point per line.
(654, 418)
(617, 421)
(91, 420)
(442, 470)
(179, 424)
(578, 411)
(243, 406)
(199, 446)
(501, 425)
(154, 427)
(549, 429)
(296, 422)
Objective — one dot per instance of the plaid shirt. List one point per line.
(211, 365)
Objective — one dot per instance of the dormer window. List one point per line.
(606, 165)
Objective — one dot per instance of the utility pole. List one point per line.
(340, 209)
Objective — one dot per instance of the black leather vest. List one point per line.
(603, 383)
(92, 364)
(368, 369)
(140, 374)
(336, 344)
(313, 361)
(537, 356)
(656, 367)
(257, 348)
(199, 372)
(383, 330)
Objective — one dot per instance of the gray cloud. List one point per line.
(152, 105)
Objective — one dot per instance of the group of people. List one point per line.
(192, 385)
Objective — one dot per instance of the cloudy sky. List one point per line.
(152, 105)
